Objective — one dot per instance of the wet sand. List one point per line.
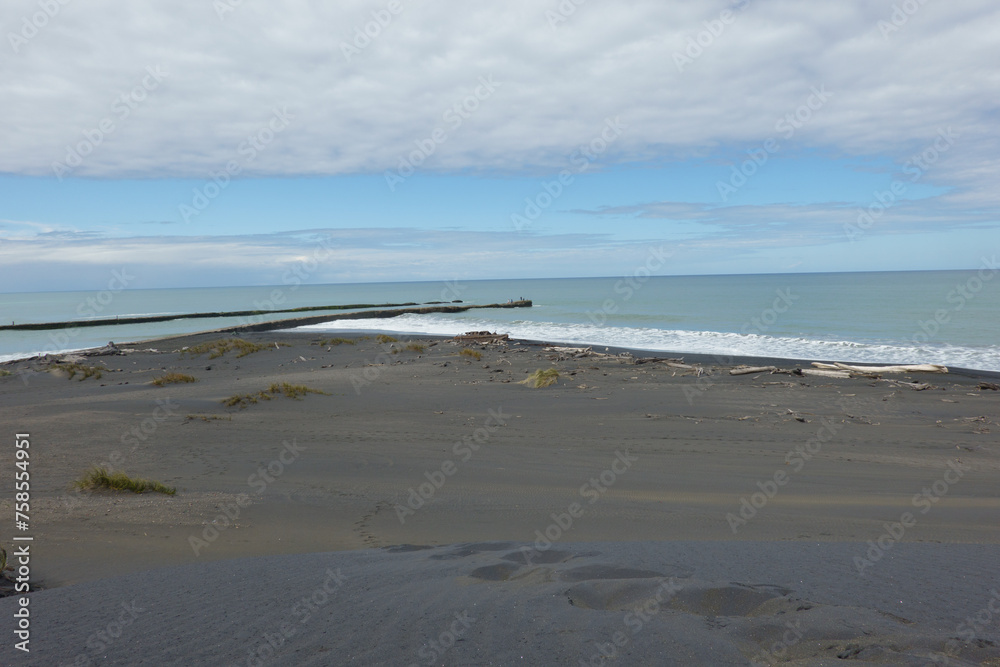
(708, 470)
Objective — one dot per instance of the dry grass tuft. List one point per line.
(382, 339)
(541, 378)
(335, 341)
(173, 378)
(294, 391)
(217, 348)
(472, 354)
(75, 368)
(99, 479)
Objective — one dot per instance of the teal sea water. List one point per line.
(948, 317)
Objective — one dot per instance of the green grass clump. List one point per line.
(4, 373)
(541, 378)
(382, 339)
(208, 418)
(295, 391)
(76, 368)
(415, 347)
(98, 479)
(173, 378)
(242, 400)
(336, 341)
(217, 348)
(472, 354)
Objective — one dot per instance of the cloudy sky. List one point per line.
(219, 143)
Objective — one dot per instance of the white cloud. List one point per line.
(890, 95)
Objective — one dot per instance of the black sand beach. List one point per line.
(862, 510)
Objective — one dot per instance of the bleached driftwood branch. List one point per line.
(906, 368)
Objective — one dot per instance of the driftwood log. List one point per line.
(747, 370)
(906, 368)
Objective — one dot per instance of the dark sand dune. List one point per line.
(664, 603)
(690, 515)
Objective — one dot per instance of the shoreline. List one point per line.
(693, 357)
(417, 443)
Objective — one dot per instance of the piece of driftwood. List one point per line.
(905, 368)
(746, 370)
(481, 337)
(107, 350)
(916, 386)
(820, 372)
(989, 385)
(564, 353)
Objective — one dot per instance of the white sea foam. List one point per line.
(680, 341)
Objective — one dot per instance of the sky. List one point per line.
(222, 142)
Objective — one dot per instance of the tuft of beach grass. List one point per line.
(73, 369)
(382, 339)
(541, 378)
(294, 391)
(335, 341)
(173, 378)
(217, 348)
(472, 354)
(100, 479)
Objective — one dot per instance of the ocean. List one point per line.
(945, 317)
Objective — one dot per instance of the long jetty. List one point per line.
(384, 310)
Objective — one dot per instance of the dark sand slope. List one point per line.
(786, 477)
(664, 603)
